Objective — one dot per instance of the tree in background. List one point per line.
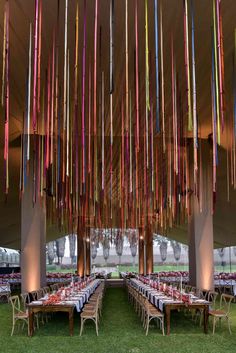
(72, 242)
(119, 243)
(176, 249)
(60, 248)
(94, 251)
(106, 247)
(95, 236)
(51, 252)
(221, 252)
(133, 243)
(163, 250)
(163, 244)
(234, 250)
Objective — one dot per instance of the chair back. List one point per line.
(143, 298)
(146, 304)
(193, 290)
(40, 293)
(5, 288)
(200, 293)
(188, 288)
(25, 299)
(34, 295)
(98, 303)
(225, 302)
(15, 304)
(205, 294)
(212, 298)
(46, 290)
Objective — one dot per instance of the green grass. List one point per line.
(120, 331)
(166, 267)
(157, 268)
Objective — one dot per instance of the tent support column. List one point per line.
(149, 249)
(33, 239)
(141, 251)
(200, 229)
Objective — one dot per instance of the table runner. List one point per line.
(160, 299)
(78, 299)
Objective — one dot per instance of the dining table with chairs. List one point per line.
(65, 299)
(166, 298)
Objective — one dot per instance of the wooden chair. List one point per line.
(92, 304)
(25, 299)
(5, 291)
(46, 290)
(188, 288)
(153, 313)
(34, 295)
(211, 297)
(90, 313)
(54, 287)
(40, 293)
(223, 312)
(143, 309)
(137, 303)
(129, 289)
(18, 314)
(140, 304)
(193, 290)
(131, 296)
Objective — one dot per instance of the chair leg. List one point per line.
(162, 326)
(96, 322)
(81, 327)
(145, 321)
(200, 320)
(28, 328)
(214, 325)
(13, 328)
(147, 325)
(37, 321)
(227, 318)
(142, 315)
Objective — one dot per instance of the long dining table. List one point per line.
(75, 299)
(166, 303)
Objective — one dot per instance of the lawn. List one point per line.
(156, 268)
(120, 332)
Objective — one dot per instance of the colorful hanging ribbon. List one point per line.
(83, 97)
(7, 104)
(162, 82)
(4, 57)
(36, 26)
(216, 73)
(195, 127)
(111, 46)
(29, 95)
(157, 68)
(147, 80)
(187, 65)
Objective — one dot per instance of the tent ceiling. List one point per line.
(22, 13)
